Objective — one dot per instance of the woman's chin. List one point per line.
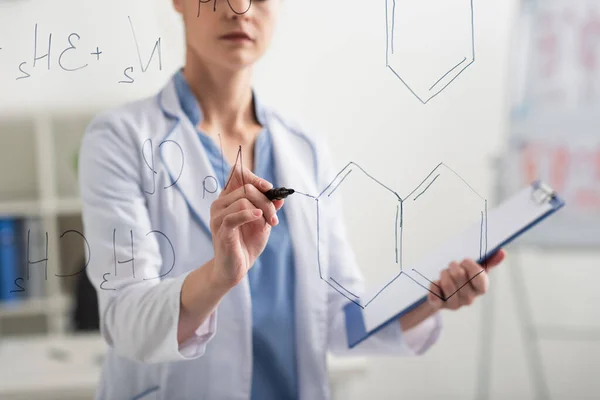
(238, 62)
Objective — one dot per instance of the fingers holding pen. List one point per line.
(253, 199)
(236, 219)
(244, 184)
(278, 204)
(236, 214)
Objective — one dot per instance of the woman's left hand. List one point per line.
(454, 290)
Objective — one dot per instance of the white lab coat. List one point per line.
(130, 156)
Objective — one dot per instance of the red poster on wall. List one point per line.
(555, 115)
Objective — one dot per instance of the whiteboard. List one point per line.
(328, 69)
(555, 104)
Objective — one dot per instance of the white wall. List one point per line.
(327, 69)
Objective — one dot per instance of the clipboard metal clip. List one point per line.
(542, 193)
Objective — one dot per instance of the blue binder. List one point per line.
(9, 261)
(539, 200)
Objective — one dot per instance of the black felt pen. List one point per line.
(278, 193)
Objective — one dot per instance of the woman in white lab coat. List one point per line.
(208, 290)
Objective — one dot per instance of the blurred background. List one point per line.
(526, 107)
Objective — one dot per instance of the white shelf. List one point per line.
(36, 208)
(36, 306)
(51, 367)
(25, 208)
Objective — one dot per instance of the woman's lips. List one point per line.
(237, 37)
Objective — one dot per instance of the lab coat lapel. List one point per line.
(295, 167)
(186, 160)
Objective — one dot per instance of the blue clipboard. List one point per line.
(538, 193)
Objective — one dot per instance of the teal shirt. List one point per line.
(271, 277)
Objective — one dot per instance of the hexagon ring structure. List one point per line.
(429, 43)
(444, 212)
(378, 219)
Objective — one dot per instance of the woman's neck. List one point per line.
(225, 98)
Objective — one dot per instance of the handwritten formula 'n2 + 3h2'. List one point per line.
(73, 53)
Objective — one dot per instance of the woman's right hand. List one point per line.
(240, 222)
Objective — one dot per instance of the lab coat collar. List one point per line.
(186, 160)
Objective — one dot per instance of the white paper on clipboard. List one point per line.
(507, 221)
